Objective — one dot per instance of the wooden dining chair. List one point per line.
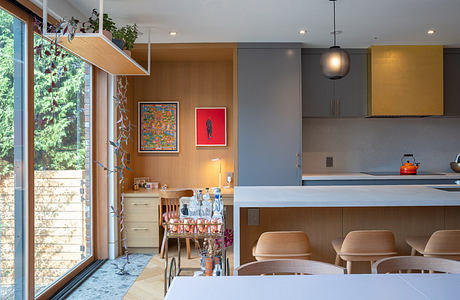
(399, 264)
(288, 266)
(170, 200)
(364, 245)
(282, 245)
(442, 243)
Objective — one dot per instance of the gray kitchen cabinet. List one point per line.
(451, 82)
(322, 97)
(269, 115)
(317, 90)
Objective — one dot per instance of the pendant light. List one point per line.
(335, 62)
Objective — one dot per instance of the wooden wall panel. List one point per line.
(100, 150)
(452, 215)
(193, 84)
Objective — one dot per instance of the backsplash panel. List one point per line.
(375, 144)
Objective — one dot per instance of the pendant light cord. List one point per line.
(334, 24)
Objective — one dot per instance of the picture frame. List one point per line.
(210, 126)
(158, 127)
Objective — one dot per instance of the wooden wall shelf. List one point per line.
(99, 51)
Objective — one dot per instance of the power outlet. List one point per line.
(329, 162)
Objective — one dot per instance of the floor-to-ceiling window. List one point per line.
(62, 160)
(12, 103)
(45, 143)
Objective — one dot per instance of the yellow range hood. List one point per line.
(405, 81)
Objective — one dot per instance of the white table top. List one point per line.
(344, 196)
(359, 286)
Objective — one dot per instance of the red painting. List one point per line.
(211, 126)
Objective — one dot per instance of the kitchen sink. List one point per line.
(448, 189)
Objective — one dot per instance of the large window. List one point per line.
(50, 226)
(12, 100)
(62, 155)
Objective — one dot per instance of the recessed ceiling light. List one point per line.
(302, 31)
(172, 33)
(431, 31)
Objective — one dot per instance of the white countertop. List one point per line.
(355, 286)
(345, 196)
(362, 176)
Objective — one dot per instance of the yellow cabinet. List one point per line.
(142, 220)
(405, 81)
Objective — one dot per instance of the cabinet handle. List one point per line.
(140, 204)
(331, 108)
(338, 107)
(140, 228)
(298, 160)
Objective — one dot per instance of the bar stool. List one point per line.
(282, 245)
(442, 243)
(364, 245)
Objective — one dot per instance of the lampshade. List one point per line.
(335, 63)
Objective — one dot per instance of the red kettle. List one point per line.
(408, 167)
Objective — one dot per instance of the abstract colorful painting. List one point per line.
(210, 126)
(159, 127)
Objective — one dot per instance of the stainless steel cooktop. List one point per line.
(397, 173)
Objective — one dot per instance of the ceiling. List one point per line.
(363, 22)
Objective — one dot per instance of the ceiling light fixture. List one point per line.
(335, 62)
(172, 33)
(431, 31)
(302, 31)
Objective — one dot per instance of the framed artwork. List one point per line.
(158, 127)
(210, 126)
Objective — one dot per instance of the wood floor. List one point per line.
(149, 284)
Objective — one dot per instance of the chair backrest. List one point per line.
(283, 245)
(170, 199)
(372, 242)
(288, 266)
(444, 243)
(398, 264)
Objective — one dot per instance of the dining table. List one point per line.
(355, 286)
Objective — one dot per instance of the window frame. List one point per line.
(28, 284)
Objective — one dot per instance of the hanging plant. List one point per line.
(128, 34)
(92, 24)
(53, 52)
(120, 145)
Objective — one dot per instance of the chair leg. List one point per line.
(162, 252)
(187, 244)
(348, 267)
(337, 260)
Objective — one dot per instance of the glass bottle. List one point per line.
(206, 206)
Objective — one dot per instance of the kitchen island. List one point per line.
(328, 212)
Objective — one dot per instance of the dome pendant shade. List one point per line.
(335, 63)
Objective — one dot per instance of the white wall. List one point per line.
(377, 144)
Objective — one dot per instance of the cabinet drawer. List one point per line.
(142, 234)
(141, 210)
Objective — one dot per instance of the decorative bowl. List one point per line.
(455, 166)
